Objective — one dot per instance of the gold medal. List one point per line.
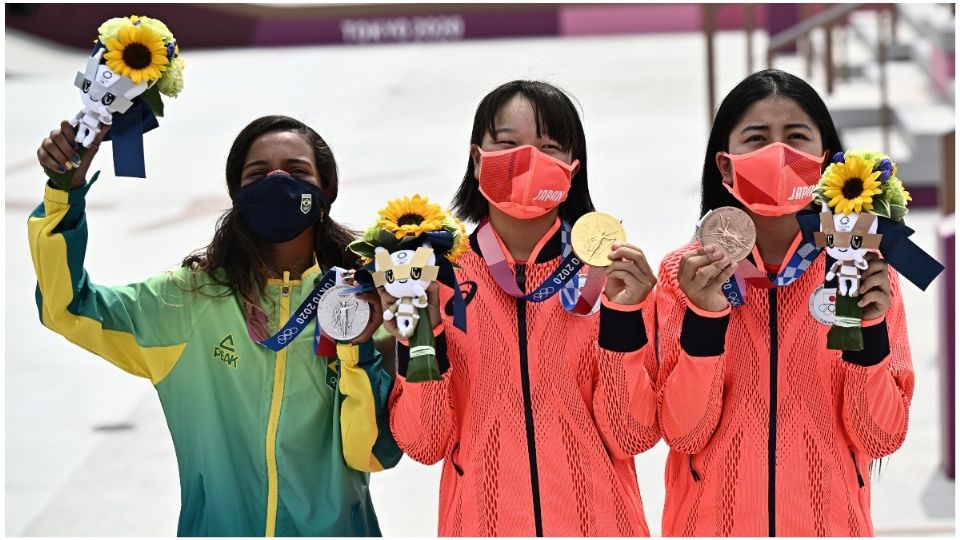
(592, 236)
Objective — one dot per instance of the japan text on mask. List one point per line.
(524, 182)
(775, 180)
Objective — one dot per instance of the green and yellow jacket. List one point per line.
(267, 443)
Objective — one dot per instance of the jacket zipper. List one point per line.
(856, 468)
(693, 472)
(772, 438)
(527, 402)
(279, 372)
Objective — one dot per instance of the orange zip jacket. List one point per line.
(771, 433)
(539, 412)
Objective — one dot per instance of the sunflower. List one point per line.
(137, 52)
(851, 185)
(460, 241)
(411, 216)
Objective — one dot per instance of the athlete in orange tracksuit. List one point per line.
(770, 432)
(539, 411)
(834, 412)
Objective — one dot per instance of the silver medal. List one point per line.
(822, 305)
(342, 315)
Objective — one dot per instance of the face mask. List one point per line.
(775, 180)
(524, 182)
(278, 207)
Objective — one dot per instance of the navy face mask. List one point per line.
(278, 207)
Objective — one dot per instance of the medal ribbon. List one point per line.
(561, 278)
(303, 315)
(800, 260)
(580, 295)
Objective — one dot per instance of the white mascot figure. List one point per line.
(847, 238)
(103, 93)
(405, 274)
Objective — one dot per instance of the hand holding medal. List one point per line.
(411, 246)
(134, 60)
(727, 235)
(599, 240)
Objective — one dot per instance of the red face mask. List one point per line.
(775, 180)
(524, 182)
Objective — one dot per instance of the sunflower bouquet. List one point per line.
(856, 191)
(134, 61)
(412, 243)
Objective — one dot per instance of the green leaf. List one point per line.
(881, 207)
(152, 98)
(387, 240)
(361, 248)
(897, 212)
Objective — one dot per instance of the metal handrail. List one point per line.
(800, 32)
(823, 18)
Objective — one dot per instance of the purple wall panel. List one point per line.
(948, 360)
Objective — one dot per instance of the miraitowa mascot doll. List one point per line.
(862, 205)
(412, 244)
(134, 60)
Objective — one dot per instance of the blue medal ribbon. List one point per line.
(731, 290)
(561, 278)
(302, 317)
(570, 292)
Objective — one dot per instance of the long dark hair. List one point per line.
(756, 87)
(239, 261)
(555, 115)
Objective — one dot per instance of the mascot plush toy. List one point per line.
(134, 60)
(412, 244)
(405, 275)
(862, 206)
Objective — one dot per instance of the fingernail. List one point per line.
(68, 165)
(708, 249)
(75, 159)
(73, 145)
(61, 170)
(716, 256)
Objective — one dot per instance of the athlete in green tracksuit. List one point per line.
(267, 443)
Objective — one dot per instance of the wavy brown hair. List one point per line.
(240, 262)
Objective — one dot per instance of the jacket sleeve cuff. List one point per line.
(72, 196)
(876, 345)
(621, 327)
(439, 345)
(704, 333)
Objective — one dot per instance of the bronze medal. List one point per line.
(731, 230)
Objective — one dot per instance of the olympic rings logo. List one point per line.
(287, 335)
(543, 294)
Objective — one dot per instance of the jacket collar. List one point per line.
(549, 250)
